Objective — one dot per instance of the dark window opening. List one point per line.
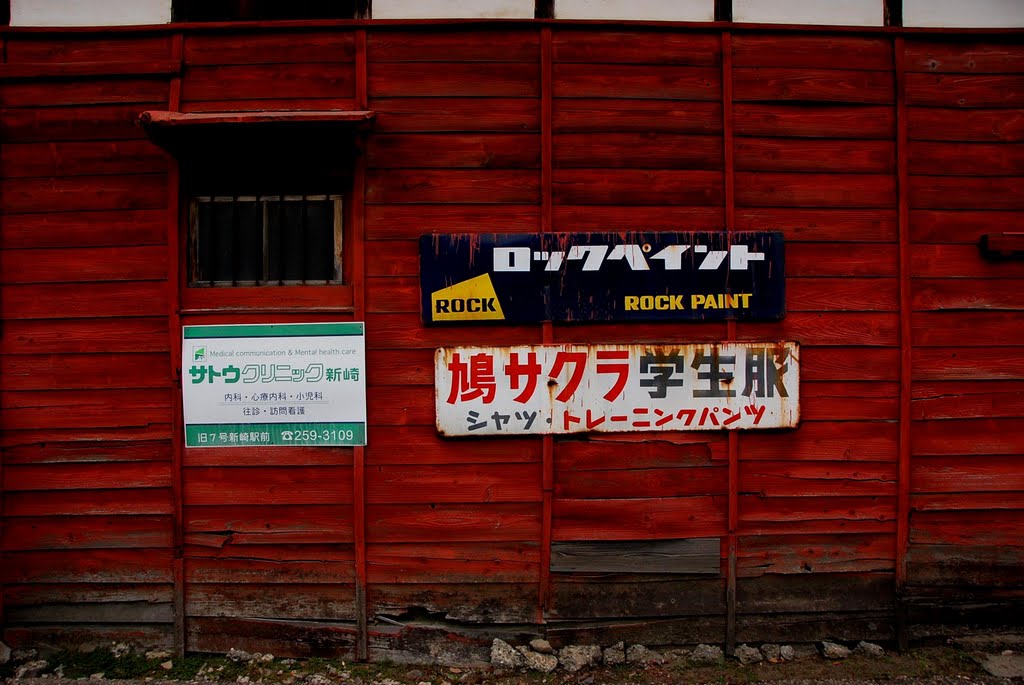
(255, 10)
(259, 240)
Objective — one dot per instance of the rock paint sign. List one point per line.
(557, 389)
(631, 276)
(274, 384)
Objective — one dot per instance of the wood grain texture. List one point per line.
(694, 555)
(766, 84)
(592, 115)
(441, 45)
(632, 81)
(822, 52)
(966, 57)
(820, 120)
(270, 81)
(279, 47)
(965, 90)
(453, 79)
(600, 46)
(979, 125)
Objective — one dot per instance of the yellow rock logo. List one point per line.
(472, 300)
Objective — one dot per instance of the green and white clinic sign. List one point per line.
(274, 384)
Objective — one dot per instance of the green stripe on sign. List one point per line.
(275, 434)
(273, 330)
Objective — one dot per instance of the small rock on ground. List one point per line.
(772, 653)
(707, 654)
(22, 655)
(1004, 665)
(749, 655)
(576, 657)
(32, 669)
(5, 653)
(541, 646)
(545, 663)
(503, 655)
(638, 654)
(830, 650)
(869, 649)
(615, 655)
(787, 652)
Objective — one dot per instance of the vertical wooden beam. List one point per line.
(175, 243)
(733, 436)
(358, 281)
(906, 347)
(547, 331)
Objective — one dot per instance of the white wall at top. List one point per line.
(89, 12)
(650, 10)
(452, 9)
(964, 13)
(834, 12)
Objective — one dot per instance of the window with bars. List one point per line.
(265, 240)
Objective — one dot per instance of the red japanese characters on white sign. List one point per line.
(539, 389)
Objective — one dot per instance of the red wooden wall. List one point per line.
(882, 157)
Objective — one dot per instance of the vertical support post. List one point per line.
(906, 342)
(732, 436)
(175, 244)
(547, 331)
(359, 302)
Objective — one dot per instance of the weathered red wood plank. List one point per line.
(849, 401)
(580, 115)
(989, 573)
(295, 639)
(631, 597)
(663, 332)
(96, 122)
(157, 431)
(393, 295)
(143, 191)
(294, 601)
(317, 104)
(396, 257)
(507, 45)
(278, 47)
(967, 329)
(454, 562)
(67, 371)
(477, 151)
(71, 48)
(85, 409)
(84, 335)
(597, 454)
(816, 593)
(84, 300)
(272, 81)
(788, 554)
(60, 453)
(41, 594)
(155, 474)
(267, 456)
(90, 502)
(832, 328)
(966, 159)
(960, 261)
(957, 475)
(961, 294)
(815, 190)
(493, 603)
(967, 528)
(635, 186)
(267, 485)
(328, 552)
(230, 571)
(405, 367)
(958, 90)
(600, 47)
(847, 441)
(986, 436)
(848, 364)
(453, 79)
(88, 566)
(958, 226)
(76, 265)
(637, 150)
(828, 516)
(228, 527)
(87, 532)
(582, 218)
(81, 158)
(83, 92)
(633, 81)
(965, 192)
(403, 222)
(465, 483)
(983, 125)
(404, 331)
(812, 85)
(390, 445)
(258, 298)
(822, 225)
(819, 121)
(84, 229)
(638, 519)
(466, 114)
(501, 522)
(808, 51)
(968, 400)
(993, 57)
(967, 501)
(640, 483)
(812, 155)
(818, 479)
(966, 363)
(846, 294)
(430, 186)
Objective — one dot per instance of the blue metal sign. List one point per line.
(520, 278)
